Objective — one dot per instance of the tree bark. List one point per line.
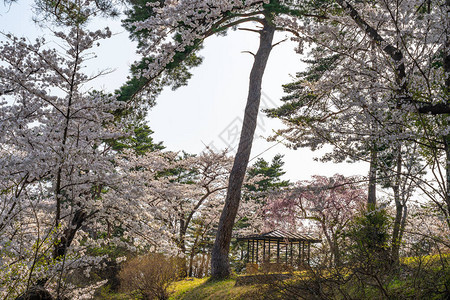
(191, 262)
(192, 255)
(205, 268)
(396, 232)
(447, 171)
(372, 192)
(447, 51)
(447, 93)
(182, 245)
(68, 235)
(219, 261)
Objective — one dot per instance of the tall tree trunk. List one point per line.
(182, 245)
(192, 255)
(206, 264)
(396, 238)
(447, 93)
(372, 193)
(68, 235)
(191, 263)
(336, 251)
(219, 260)
(403, 223)
(447, 185)
(447, 50)
(182, 236)
(372, 190)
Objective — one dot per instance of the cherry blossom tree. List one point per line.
(184, 195)
(68, 179)
(376, 86)
(189, 190)
(55, 164)
(176, 29)
(323, 206)
(60, 168)
(421, 77)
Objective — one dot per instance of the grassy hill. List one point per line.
(193, 289)
(424, 277)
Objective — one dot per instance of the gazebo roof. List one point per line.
(282, 235)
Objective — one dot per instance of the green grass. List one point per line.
(413, 261)
(431, 276)
(196, 289)
(106, 294)
(183, 286)
(193, 289)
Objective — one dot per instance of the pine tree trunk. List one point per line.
(219, 260)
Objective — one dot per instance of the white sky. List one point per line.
(208, 110)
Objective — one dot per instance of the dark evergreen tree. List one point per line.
(271, 172)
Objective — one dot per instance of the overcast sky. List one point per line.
(209, 110)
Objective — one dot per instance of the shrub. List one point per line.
(369, 241)
(150, 276)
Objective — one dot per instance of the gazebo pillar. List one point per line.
(302, 259)
(278, 251)
(257, 251)
(286, 253)
(291, 255)
(264, 251)
(253, 251)
(309, 252)
(248, 251)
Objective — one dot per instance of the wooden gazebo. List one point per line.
(278, 247)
